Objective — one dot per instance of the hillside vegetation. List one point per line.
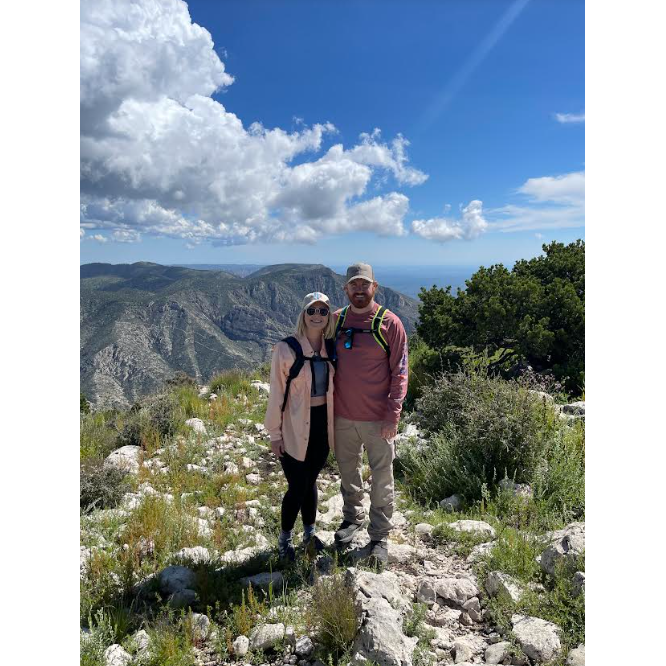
(180, 502)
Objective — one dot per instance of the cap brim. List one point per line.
(360, 277)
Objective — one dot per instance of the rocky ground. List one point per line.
(423, 573)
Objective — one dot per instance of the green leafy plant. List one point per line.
(334, 612)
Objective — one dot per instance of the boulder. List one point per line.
(453, 503)
(115, 655)
(474, 527)
(479, 551)
(576, 657)
(566, 546)
(264, 580)
(262, 387)
(266, 636)
(196, 555)
(380, 639)
(126, 459)
(539, 639)
(424, 530)
(176, 578)
(579, 583)
(498, 583)
(385, 585)
(400, 553)
(182, 598)
(497, 653)
(197, 425)
(466, 648)
(574, 408)
(141, 640)
(456, 590)
(241, 646)
(200, 624)
(253, 479)
(304, 646)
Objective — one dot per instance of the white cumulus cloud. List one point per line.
(566, 118)
(554, 202)
(442, 229)
(160, 156)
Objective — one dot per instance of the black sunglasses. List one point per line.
(322, 311)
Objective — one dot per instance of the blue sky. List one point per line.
(488, 97)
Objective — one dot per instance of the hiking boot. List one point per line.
(287, 551)
(346, 532)
(379, 552)
(313, 546)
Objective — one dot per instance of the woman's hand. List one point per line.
(277, 447)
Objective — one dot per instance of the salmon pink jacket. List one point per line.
(293, 425)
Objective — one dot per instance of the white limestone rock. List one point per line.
(576, 657)
(453, 503)
(176, 578)
(195, 555)
(266, 636)
(126, 459)
(241, 646)
(197, 425)
(498, 652)
(499, 583)
(566, 546)
(380, 638)
(115, 655)
(474, 527)
(539, 639)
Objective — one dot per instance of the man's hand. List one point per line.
(389, 430)
(277, 447)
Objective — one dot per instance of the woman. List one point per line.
(301, 427)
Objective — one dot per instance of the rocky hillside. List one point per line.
(189, 523)
(143, 322)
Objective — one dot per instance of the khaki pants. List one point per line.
(350, 438)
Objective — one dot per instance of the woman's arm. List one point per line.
(278, 381)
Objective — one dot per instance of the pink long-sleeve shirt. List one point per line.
(369, 384)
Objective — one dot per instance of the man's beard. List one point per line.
(361, 300)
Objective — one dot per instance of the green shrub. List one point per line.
(97, 434)
(84, 405)
(94, 643)
(160, 415)
(560, 484)
(484, 429)
(100, 487)
(181, 379)
(334, 611)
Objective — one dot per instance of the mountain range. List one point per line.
(143, 322)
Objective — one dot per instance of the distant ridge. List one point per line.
(143, 322)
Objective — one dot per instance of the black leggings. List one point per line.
(302, 475)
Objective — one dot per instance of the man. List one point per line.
(370, 385)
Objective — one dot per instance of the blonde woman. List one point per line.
(299, 417)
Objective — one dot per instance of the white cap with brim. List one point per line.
(314, 297)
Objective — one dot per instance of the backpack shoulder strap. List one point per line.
(377, 329)
(296, 366)
(341, 320)
(331, 351)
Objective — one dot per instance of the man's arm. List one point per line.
(398, 364)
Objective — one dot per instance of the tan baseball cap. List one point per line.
(362, 271)
(313, 298)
